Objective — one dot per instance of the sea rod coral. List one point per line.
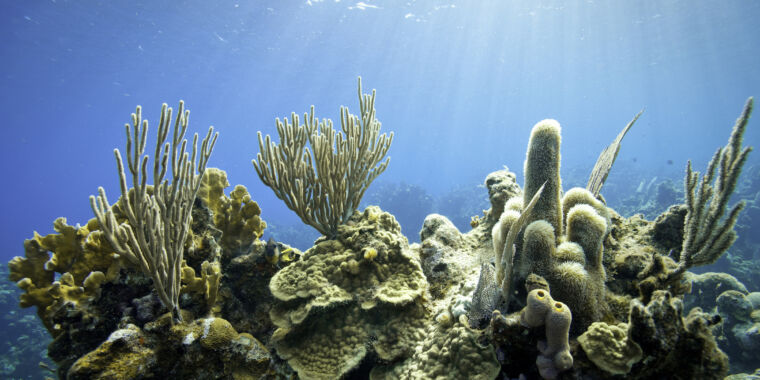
(325, 187)
(159, 217)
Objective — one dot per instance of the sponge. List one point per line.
(542, 310)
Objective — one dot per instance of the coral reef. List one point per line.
(205, 348)
(739, 333)
(590, 294)
(666, 337)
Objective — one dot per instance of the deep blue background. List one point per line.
(459, 82)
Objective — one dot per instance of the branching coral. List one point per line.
(159, 216)
(324, 187)
(706, 236)
(80, 255)
(237, 216)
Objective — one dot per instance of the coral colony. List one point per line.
(173, 280)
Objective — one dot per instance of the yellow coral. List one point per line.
(609, 347)
(207, 285)
(83, 259)
(237, 216)
(370, 253)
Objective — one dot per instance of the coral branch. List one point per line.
(706, 235)
(324, 187)
(158, 216)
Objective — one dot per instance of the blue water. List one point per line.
(460, 83)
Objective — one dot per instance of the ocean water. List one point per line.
(459, 83)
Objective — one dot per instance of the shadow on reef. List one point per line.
(546, 284)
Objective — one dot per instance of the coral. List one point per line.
(159, 216)
(334, 294)
(706, 287)
(79, 255)
(237, 216)
(442, 262)
(362, 301)
(207, 286)
(667, 338)
(574, 268)
(326, 188)
(609, 348)
(707, 234)
(576, 222)
(450, 350)
(542, 169)
(668, 228)
(205, 348)
(501, 186)
(542, 310)
(738, 334)
(121, 356)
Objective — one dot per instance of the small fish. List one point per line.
(670, 162)
(272, 252)
(275, 253)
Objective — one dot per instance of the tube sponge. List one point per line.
(542, 310)
(537, 305)
(555, 352)
(542, 166)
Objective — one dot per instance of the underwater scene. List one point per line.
(438, 189)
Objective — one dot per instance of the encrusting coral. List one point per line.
(335, 294)
(609, 348)
(450, 350)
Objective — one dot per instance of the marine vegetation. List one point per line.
(174, 280)
(325, 187)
